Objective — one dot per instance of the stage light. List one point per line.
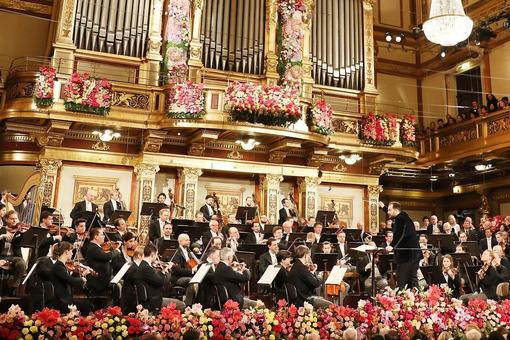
(350, 159)
(388, 37)
(250, 144)
(107, 135)
(442, 54)
(483, 166)
(399, 38)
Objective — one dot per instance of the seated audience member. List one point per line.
(440, 124)
(425, 222)
(483, 111)
(474, 111)
(501, 105)
(433, 127)
(492, 102)
(450, 120)
(505, 100)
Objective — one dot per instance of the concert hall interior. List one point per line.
(187, 162)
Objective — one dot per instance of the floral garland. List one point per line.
(177, 40)
(83, 93)
(266, 104)
(407, 312)
(186, 101)
(379, 130)
(408, 130)
(44, 86)
(290, 36)
(319, 117)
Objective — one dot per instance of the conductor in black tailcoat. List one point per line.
(405, 238)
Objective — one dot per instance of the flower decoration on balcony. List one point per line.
(408, 130)
(379, 129)
(269, 105)
(83, 93)
(177, 40)
(319, 117)
(290, 34)
(186, 100)
(44, 86)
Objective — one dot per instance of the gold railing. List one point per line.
(477, 136)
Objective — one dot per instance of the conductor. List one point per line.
(406, 239)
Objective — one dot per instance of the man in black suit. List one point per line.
(268, 258)
(255, 237)
(232, 279)
(86, 205)
(205, 295)
(404, 236)
(100, 261)
(167, 236)
(208, 209)
(214, 231)
(434, 227)
(342, 246)
(110, 206)
(278, 236)
(489, 241)
(10, 251)
(469, 229)
(154, 282)
(156, 227)
(128, 295)
(121, 257)
(286, 211)
(317, 230)
(44, 246)
(182, 271)
(305, 281)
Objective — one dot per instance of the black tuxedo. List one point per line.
(207, 236)
(264, 262)
(430, 229)
(128, 295)
(304, 281)
(472, 234)
(342, 252)
(44, 246)
(205, 295)
(80, 207)
(181, 268)
(155, 230)
(63, 284)
(100, 261)
(483, 243)
(251, 238)
(154, 283)
(232, 280)
(284, 215)
(453, 284)
(108, 209)
(15, 242)
(207, 215)
(493, 277)
(118, 260)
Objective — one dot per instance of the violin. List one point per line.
(162, 266)
(79, 268)
(54, 229)
(21, 227)
(109, 246)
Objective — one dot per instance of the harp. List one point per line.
(27, 203)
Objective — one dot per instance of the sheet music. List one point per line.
(120, 274)
(363, 248)
(30, 273)
(201, 273)
(269, 275)
(336, 276)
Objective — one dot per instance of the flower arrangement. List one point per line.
(83, 93)
(186, 100)
(408, 130)
(406, 311)
(379, 129)
(266, 104)
(177, 40)
(319, 117)
(290, 35)
(44, 86)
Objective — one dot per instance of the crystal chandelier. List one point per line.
(447, 24)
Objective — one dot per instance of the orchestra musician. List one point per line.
(317, 230)
(121, 228)
(111, 205)
(278, 236)
(342, 246)
(269, 258)
(231, 275)
(78, 239)
(255, 237)
(216, 243)
(214, 231)
(86, 205)
(3, 211)
(128, 294)
(199, 217)
(286, 211)
(489, 241)
(491, 274)
(364, 268)
(186, 265)
(100, 262)
(125, 252)
(208, 209)
(233, 241)
(45, 245)
(161, 198)
(302, 276)
(156, 227)
(154, 281)
(63, 282)
(287, 230)
(167, 236)
(10, 251)
(450, 276)
(204, 296)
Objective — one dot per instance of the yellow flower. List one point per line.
(124, 333)
(110, 321)
(73, 328)
(123, 327)
(269, 328)
(33, 329)
(28, 323)
(210, 327)
(119, 337)
(314, 324)
(116, 318)
(204, 328)
(24, 331)
(271, 337)
(111, 329)
(28, 337)
(74, 337)
(275, 322)
(104, 326)
(118, 329)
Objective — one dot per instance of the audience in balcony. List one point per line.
(492, 102)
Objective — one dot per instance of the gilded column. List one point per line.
(195, 58)
(270, 57)
(369, 91)
(271, 187)
(46, 191)
(373, 207)
(189, 184)
(308, 193)
(307, 63)
(63, 56)
(149, 70)
(145, 180)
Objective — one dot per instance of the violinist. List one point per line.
(303, 276)
(120, 226)
(10, 251)
(154, 281)
(167, 236)
(214, 231)
(156, 227)
(286, 211)
(255, 237)
(131, 278)
(450, 276)
(233, 240)
(78, 239)
(45, 245)
(216, 243)
(491, 274)
(63, 282)
(208, 209)
(199, 217)
(125, 252)
(269, 258)
(3, 211)
(100, 261)
(186, 264)
(204, 296)
(287, 230)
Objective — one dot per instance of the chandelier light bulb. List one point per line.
(448, 24)
(350, 159)
(107, 135)
(250, 144)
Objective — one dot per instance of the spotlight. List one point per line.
(388, 37)
(433, 178)
(250, 144)
(399, 38)
(442, 54)
(107, 135)
(451, 175)
(483, 167)
(350, 159)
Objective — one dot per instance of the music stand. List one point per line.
(176, 222)
(471, 247)
(352, 235)
(325, 217)
(295, 236)
(378, 240)
(48, 209)
(124, 214)
(152, 209)
(92, 218)
(430, 274)
(373, 252)
(325, 262)
(462, 258)
(32, 238)
(166, 247)
(113, 236)
(246, 213)
(442, 241)
(258, 249)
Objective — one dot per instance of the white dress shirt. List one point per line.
(88, 205)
